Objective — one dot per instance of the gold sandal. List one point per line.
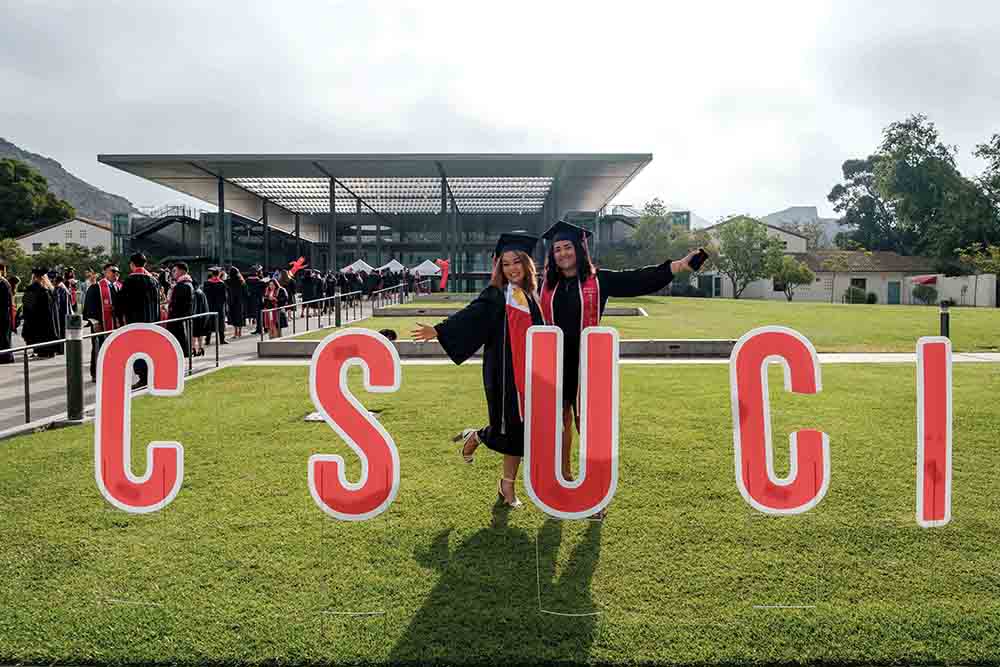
(514, 505)
(465, 436)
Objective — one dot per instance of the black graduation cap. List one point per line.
(40, 271)
(523, 242)
(566, 231)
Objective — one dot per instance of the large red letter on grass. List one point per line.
(379, 482)
(113, 431)
(933, 431)
(598, 478)
(809, 476)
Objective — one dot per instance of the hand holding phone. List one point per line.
(696, 262)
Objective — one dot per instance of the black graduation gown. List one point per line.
(483, 323)
(139, 299)
(218, 297)
(566, 310)
(39, 305)
(236, 301)
(202, 325)
(255, 297)
(6, 323)
(181, 304)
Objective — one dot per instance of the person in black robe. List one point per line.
(139, 301)
(567, 264)
(236, 301)
(180, 303)
(218, 298)
(484, 323)
(8, 315)
(64, 302)
(39, 306)
(255, 297)
(202, 325)
(101, 315)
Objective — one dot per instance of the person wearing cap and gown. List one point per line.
(39, 306)
(573, 296)
(217, 293)
(498, 321)
(139, 302)
(99, 310)
(8, 315)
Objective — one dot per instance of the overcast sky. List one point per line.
(747, 107)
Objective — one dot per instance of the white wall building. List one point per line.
(81, 231)
(887, 275)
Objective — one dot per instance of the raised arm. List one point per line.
(648, 279)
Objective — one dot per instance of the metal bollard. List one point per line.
(945, 321)
(336, 312)
(74, 368)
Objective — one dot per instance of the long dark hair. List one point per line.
(584, 265)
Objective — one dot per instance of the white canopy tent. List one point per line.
(392, 265)
(426, 268)
(358, 266)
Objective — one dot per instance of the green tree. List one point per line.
(862, 206)
(17, 261)
(745, 252)
(25, 200)
(791, 274)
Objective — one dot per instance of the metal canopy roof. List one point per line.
(391, 183)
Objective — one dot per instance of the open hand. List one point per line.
(424, 333)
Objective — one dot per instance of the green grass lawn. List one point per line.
(831, 327)
(243, 568)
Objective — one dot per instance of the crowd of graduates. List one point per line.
(147, 294)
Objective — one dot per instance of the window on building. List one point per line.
(860, 283)
(83, 235)
(69, 234)
(36, 247)
(777, 285)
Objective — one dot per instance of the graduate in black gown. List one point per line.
(497, 320)
(236, 300)
(39, 305)
(255, 296)
(7, 317)
(217, 294)
(139, 302)
(573, 296)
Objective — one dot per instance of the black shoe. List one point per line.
(225, 342)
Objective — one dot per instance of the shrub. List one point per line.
(872, 298)
(925, 294)
(854, 295)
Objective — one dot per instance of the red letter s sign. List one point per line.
(379, 482)
(809, 476)
(113, 431)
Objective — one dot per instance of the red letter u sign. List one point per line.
(379, 482)
(809, 475)
(113, 431)
(598, 478)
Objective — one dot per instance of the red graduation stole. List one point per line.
(107, 311)
(590, 302)
(518, 322)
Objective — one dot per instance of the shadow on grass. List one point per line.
(485, 605)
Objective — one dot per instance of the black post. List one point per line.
(298, 238)
(188, 329)
(331, 251)
(27, 391)
(336, 312)
(945, 321)
(219, 226)
(357, 229)
(267, 241)
(74, 368)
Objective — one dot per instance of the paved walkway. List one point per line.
(47, 377)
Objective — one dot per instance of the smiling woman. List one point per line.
(498, 320)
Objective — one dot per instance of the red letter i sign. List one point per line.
(933, 431)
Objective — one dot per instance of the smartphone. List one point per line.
(698, 259)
